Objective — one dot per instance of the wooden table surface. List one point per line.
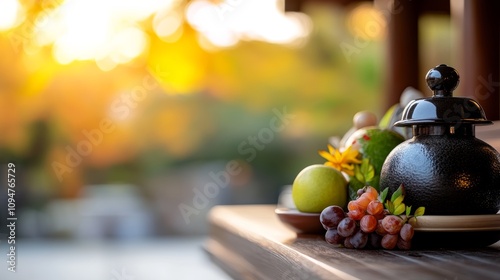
(249, 242)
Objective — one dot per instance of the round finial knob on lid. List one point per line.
(442, 108)
(442, 80)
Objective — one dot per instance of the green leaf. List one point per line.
(408, 211)
(365, 172)
(383, 195)
(419, 212)
(359, 176)
(370, 174)
(365, 166)
(389, 206)
(385, 122)
(398, 201)
(397, 193)
(399, 209)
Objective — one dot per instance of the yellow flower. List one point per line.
(342, 161)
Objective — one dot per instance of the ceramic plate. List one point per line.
(300, 222)
(466, 231)
(457, 223)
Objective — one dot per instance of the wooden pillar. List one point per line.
(402, 57)
(481, 54)
(293, 5)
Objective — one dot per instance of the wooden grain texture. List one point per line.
(249, 242)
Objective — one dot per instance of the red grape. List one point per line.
(347, 243)
(375, 207)
(363, 202)
(346, 227)
(356, 214)
(372, 192)
(333, 237)
(404, 245)
(392, 224)
(369, 196)
(331, 216)
(389, 241)
(406, 232)
(353, 205)
(359, 239)
(360, 192)
(380, 228)
(368, 223)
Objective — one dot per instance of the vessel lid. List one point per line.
(442, 107)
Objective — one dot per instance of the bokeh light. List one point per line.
(366, 22)
(11, 14)
(108, 32)
(116, 32)
(168, 24)
(226, 23)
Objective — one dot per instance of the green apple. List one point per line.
(318, 186)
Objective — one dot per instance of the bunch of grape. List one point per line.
(368, 223)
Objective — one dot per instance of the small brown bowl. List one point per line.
(300, 222)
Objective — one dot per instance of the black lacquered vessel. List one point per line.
(444, 167)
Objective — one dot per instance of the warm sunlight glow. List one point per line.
(104, 31)
(167, 25)
(10, 14)
(366, 22)
(115, 32)
(225, 23)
